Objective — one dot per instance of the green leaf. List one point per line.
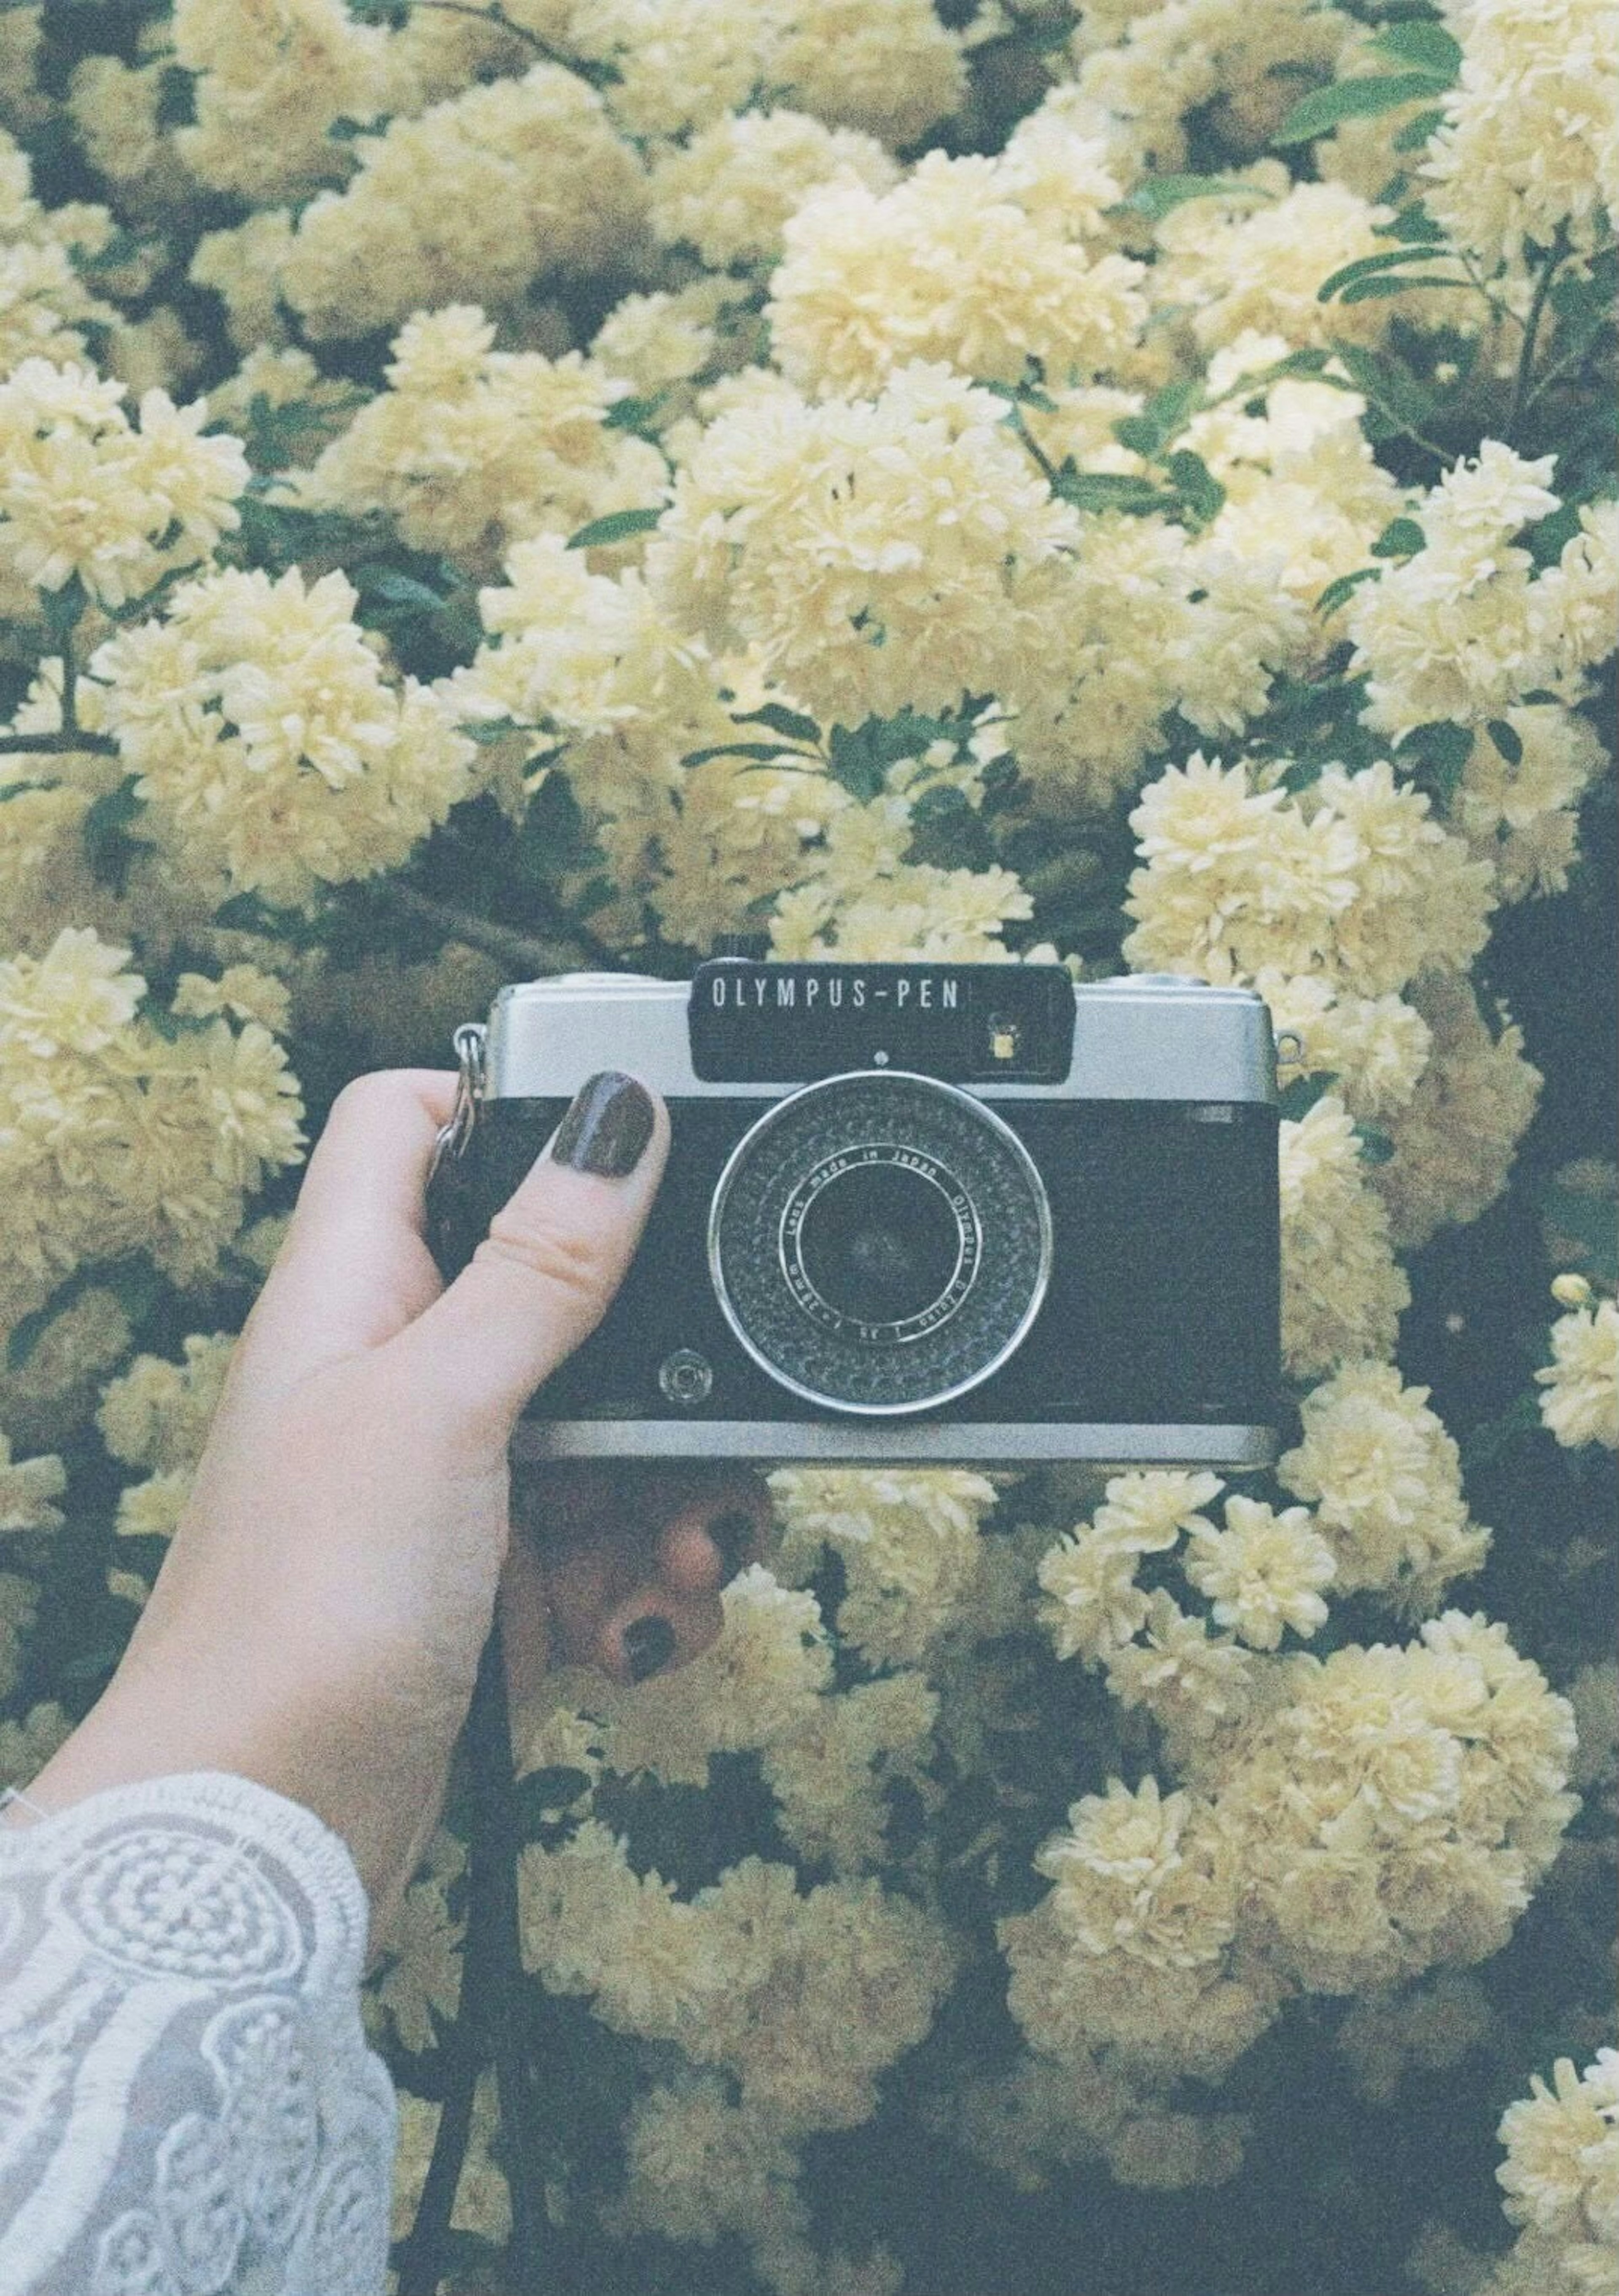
(64, 609)
(1436, 756)
(1337, 593)
(1159, 195)
(1422, 42)
(24, 789)
(767, 750)
(1196, 484)
(122, 248)
(1164, 414)
(1413, 225)
(176, 104)
(486, 732)
(1107, 490)
(1396, 395)
(1402, 537)
(1376, 1147)
(779, 720)
(541, 1796)
(1484, 1445)
(1505, 739)
(24, 1335)
(1437, 743)
(249, 913)
(1022, 393)
(110, 843)
(855, 761)
(633, 414)
(1548, 540)
(1301, 1095)
(1373, 291)
(1419, 128)
(1582, 1230)
(617, 527)
(389, 587)
(1319, 112)
(1388, 258)
(172, 1026)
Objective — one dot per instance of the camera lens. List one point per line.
(879, 1243)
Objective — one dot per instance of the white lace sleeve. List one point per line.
(187, 2102)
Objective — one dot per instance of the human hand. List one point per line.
(319, 1617)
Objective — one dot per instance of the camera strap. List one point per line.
(469, 1040)
(447, 1175)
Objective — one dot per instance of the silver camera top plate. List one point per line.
(1138, 1037)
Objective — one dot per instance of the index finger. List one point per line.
(355, 1267)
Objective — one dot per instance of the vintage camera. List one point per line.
(911, 1212)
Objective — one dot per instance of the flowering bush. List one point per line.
(486, 487)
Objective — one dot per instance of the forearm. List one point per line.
(174, 1708)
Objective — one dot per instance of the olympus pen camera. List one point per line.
(911, 1212)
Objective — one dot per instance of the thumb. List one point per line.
(556, 1252)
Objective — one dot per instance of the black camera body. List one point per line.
(913, 1213)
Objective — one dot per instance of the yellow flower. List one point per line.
(423, 1966)
(26, 1488)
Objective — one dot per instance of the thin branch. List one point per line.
(58, 745)
(1559, 370)
(69, 684)
(1532, 329)
(525, 956)
(518, 950)
(548, 909)
(1048, 468)
(1470, 264)
(497, 17)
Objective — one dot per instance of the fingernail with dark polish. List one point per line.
(649, 1645)
(732, 1533)
(607, 1127)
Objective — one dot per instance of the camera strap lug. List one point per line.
(469, 1040)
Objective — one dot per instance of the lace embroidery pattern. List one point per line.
(187, 2102)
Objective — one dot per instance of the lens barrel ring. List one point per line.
(919, 1131)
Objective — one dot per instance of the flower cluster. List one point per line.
(119, 1135)
(977, 263)
(270, 81)
(1385, 1810)
(730, 191)
(45, 307)
(471, 448)
(891, 70)
(1466, 627)
(803, 1999)
(272, 750)
(1581, 1401)
(1146, 71)
(908, 1542)
(1559, 2176)
(1526, 148)
(157, 1415)
(792, 529)
(1386, 1481)
(543, 186)
(86, 496)
(1359, 884)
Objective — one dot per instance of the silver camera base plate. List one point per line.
(979, 1443)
